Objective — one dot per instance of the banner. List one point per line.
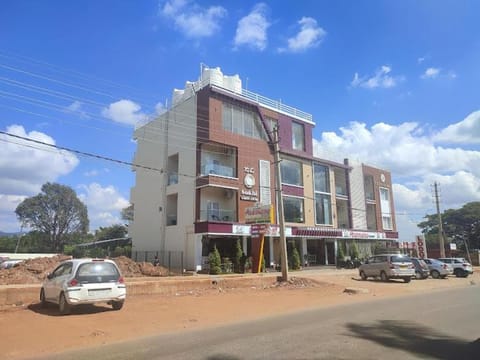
(421, 247)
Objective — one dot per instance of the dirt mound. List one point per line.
(34, 271)
(30, 271)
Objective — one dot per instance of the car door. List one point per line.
(370, 267)
(54, 285)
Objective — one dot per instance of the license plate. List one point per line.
(99, 292)
(403, 266)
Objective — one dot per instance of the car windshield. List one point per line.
(97, 272)
(400, 259)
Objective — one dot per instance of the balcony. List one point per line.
(172, 179)
(214, 168)
(218, 204)
(218, 215)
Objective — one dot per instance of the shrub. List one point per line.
(215, 261)
(354, 251)
(237, 260)
(340, 255)
(296, 262)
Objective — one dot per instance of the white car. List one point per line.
(84, 281)
(461, 267)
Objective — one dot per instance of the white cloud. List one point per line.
(193, 20)
(25, 167)
(381, 79)
(77, 108)
(160, 109)
(252, 29)
(421, 60)
(309, 36)
(431, 73)
(104, 204)
(466, 131)
(125, 112)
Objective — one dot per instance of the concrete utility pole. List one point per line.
(281, 218)
(440, 225)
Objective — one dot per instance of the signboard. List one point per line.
(259, 214)
(453, 246)
(421, 247)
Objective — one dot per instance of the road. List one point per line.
(436, 325)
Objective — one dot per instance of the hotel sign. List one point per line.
(259, 214)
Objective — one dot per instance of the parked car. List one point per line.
(421, 268)
(7, 264)
(461, 267)
(84, 281)
(438, 269)
(388, 266)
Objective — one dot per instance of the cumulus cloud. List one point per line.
(309, 36)
(25, 167)
(466, 131)
(125, 112)
(104, 204)
(431, 73)
(193, 20)
(381, 79)
(77, 108)
(252, 29)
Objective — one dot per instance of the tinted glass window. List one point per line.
(399, 259)
(96, 272)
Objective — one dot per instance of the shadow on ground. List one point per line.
(416, 339)
(52, 310)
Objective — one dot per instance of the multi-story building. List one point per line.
(212, 160)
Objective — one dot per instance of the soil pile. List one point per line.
(34, 271)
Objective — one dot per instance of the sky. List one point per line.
(393, 84)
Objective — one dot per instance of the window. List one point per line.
(322, 182)
(293, 209)
(368, 182)
(242, 121)
(298, 136)
(291, 172)
(385, 209)
(323, 213)
(371, 217)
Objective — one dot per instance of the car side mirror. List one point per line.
(49, 276)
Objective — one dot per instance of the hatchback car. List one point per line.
(461, 267)
(438, 269)
(388, 266)
(84, 281)
(421, 268)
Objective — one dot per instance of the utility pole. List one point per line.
(281, 218)
(440, 225)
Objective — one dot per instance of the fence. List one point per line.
(172, 260)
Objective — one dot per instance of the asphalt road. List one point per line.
(435, 325)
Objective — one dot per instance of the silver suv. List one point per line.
(388, 266)
(461, 267)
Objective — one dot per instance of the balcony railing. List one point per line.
(172, 179)
(171, 220)
(218, 215)
(217, 169)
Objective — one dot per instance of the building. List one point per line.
(211, 160)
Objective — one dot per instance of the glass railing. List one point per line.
(172, 179)
(171, 220)
(218, 215)
(217, 169)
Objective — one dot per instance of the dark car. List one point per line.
(421, 268)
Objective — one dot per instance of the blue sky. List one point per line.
(391, 84)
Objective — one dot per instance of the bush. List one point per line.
(354, 254)
(296, 262)
(215, 261)
(340, 255)
(237, 260)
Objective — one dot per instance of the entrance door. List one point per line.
(330, 252)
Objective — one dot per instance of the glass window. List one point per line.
(387, 222)
(227, 117)
(323, 213)
(369, 193)
(293, 209)
(298, 136)
(371, 217)
(291, 172)
(322, 182)
(242, 121)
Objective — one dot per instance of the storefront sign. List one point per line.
(259, 214)
(241, 229)
(421, 247)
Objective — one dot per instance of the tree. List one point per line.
(110, 232)
(354, 254)
(215, 261)
(56, 212)
(459, 225)
(296, 263)
(237, 260)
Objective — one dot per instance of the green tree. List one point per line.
(237, 259)
(56, 212)
(127, 213)
(340, 254)
(111, 232)
(354, 254)
(215, 261)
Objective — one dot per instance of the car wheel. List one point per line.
(458, 272)
(407, 279)
(63, 305)
(418, 275)
(383, 276)
(363, 275)
(43, 301)
(465, 274)
(117, 305)
(435, 274)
